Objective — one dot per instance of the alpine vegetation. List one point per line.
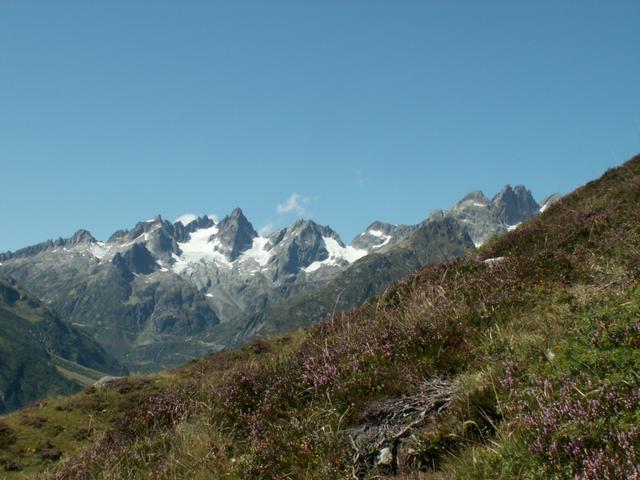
(516, 360)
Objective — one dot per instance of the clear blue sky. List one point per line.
(111, 112)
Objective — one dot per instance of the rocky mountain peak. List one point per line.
(436, 214)
(81, 236)
(182, 231)
(237, 213)
(235, 235)
(379, 226)
(304, 229)
(140, 228)
(475, 198)
(376, 235)
(514, 205)
(299, 245)
(136, 260)
(476, 195)
(204, 221)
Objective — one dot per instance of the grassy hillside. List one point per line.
(40, 355)
(519, 361)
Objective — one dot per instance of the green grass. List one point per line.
(70, 423)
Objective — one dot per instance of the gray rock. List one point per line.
(105, 381)
(550, 200)
(385, 458)
(380, 235)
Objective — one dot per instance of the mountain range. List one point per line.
(518, 359)
(161, 293)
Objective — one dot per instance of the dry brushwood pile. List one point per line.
(386, 424)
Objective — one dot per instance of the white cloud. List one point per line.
(296, 203)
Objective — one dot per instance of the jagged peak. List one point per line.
(435, 215)
(514, 205)
(237, 218)
(186, 219)
(507, 188)
(235, 235)
(476, 197)
(307, 226)
(81, 236)
(237, 213)
(155, 219)
(302, 223)
(507, 191)
(381, 226)
(144, 226)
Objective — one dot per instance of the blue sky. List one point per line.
(111, 112)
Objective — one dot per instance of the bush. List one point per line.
(7, 435)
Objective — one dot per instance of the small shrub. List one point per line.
(52, 454)
(426, 450)
(83, 434)
(13, 466)
(7, 435)
(33, 421)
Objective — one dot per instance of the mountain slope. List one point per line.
(518, 361)
(40, 355)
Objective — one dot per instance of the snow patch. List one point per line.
(314, 266)
(387, 239)
(544, 207)
(257, 252)
(376, 233)
(98, 250)
(199, 249)
(336, 253)
(476, 204)
(511, 228)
